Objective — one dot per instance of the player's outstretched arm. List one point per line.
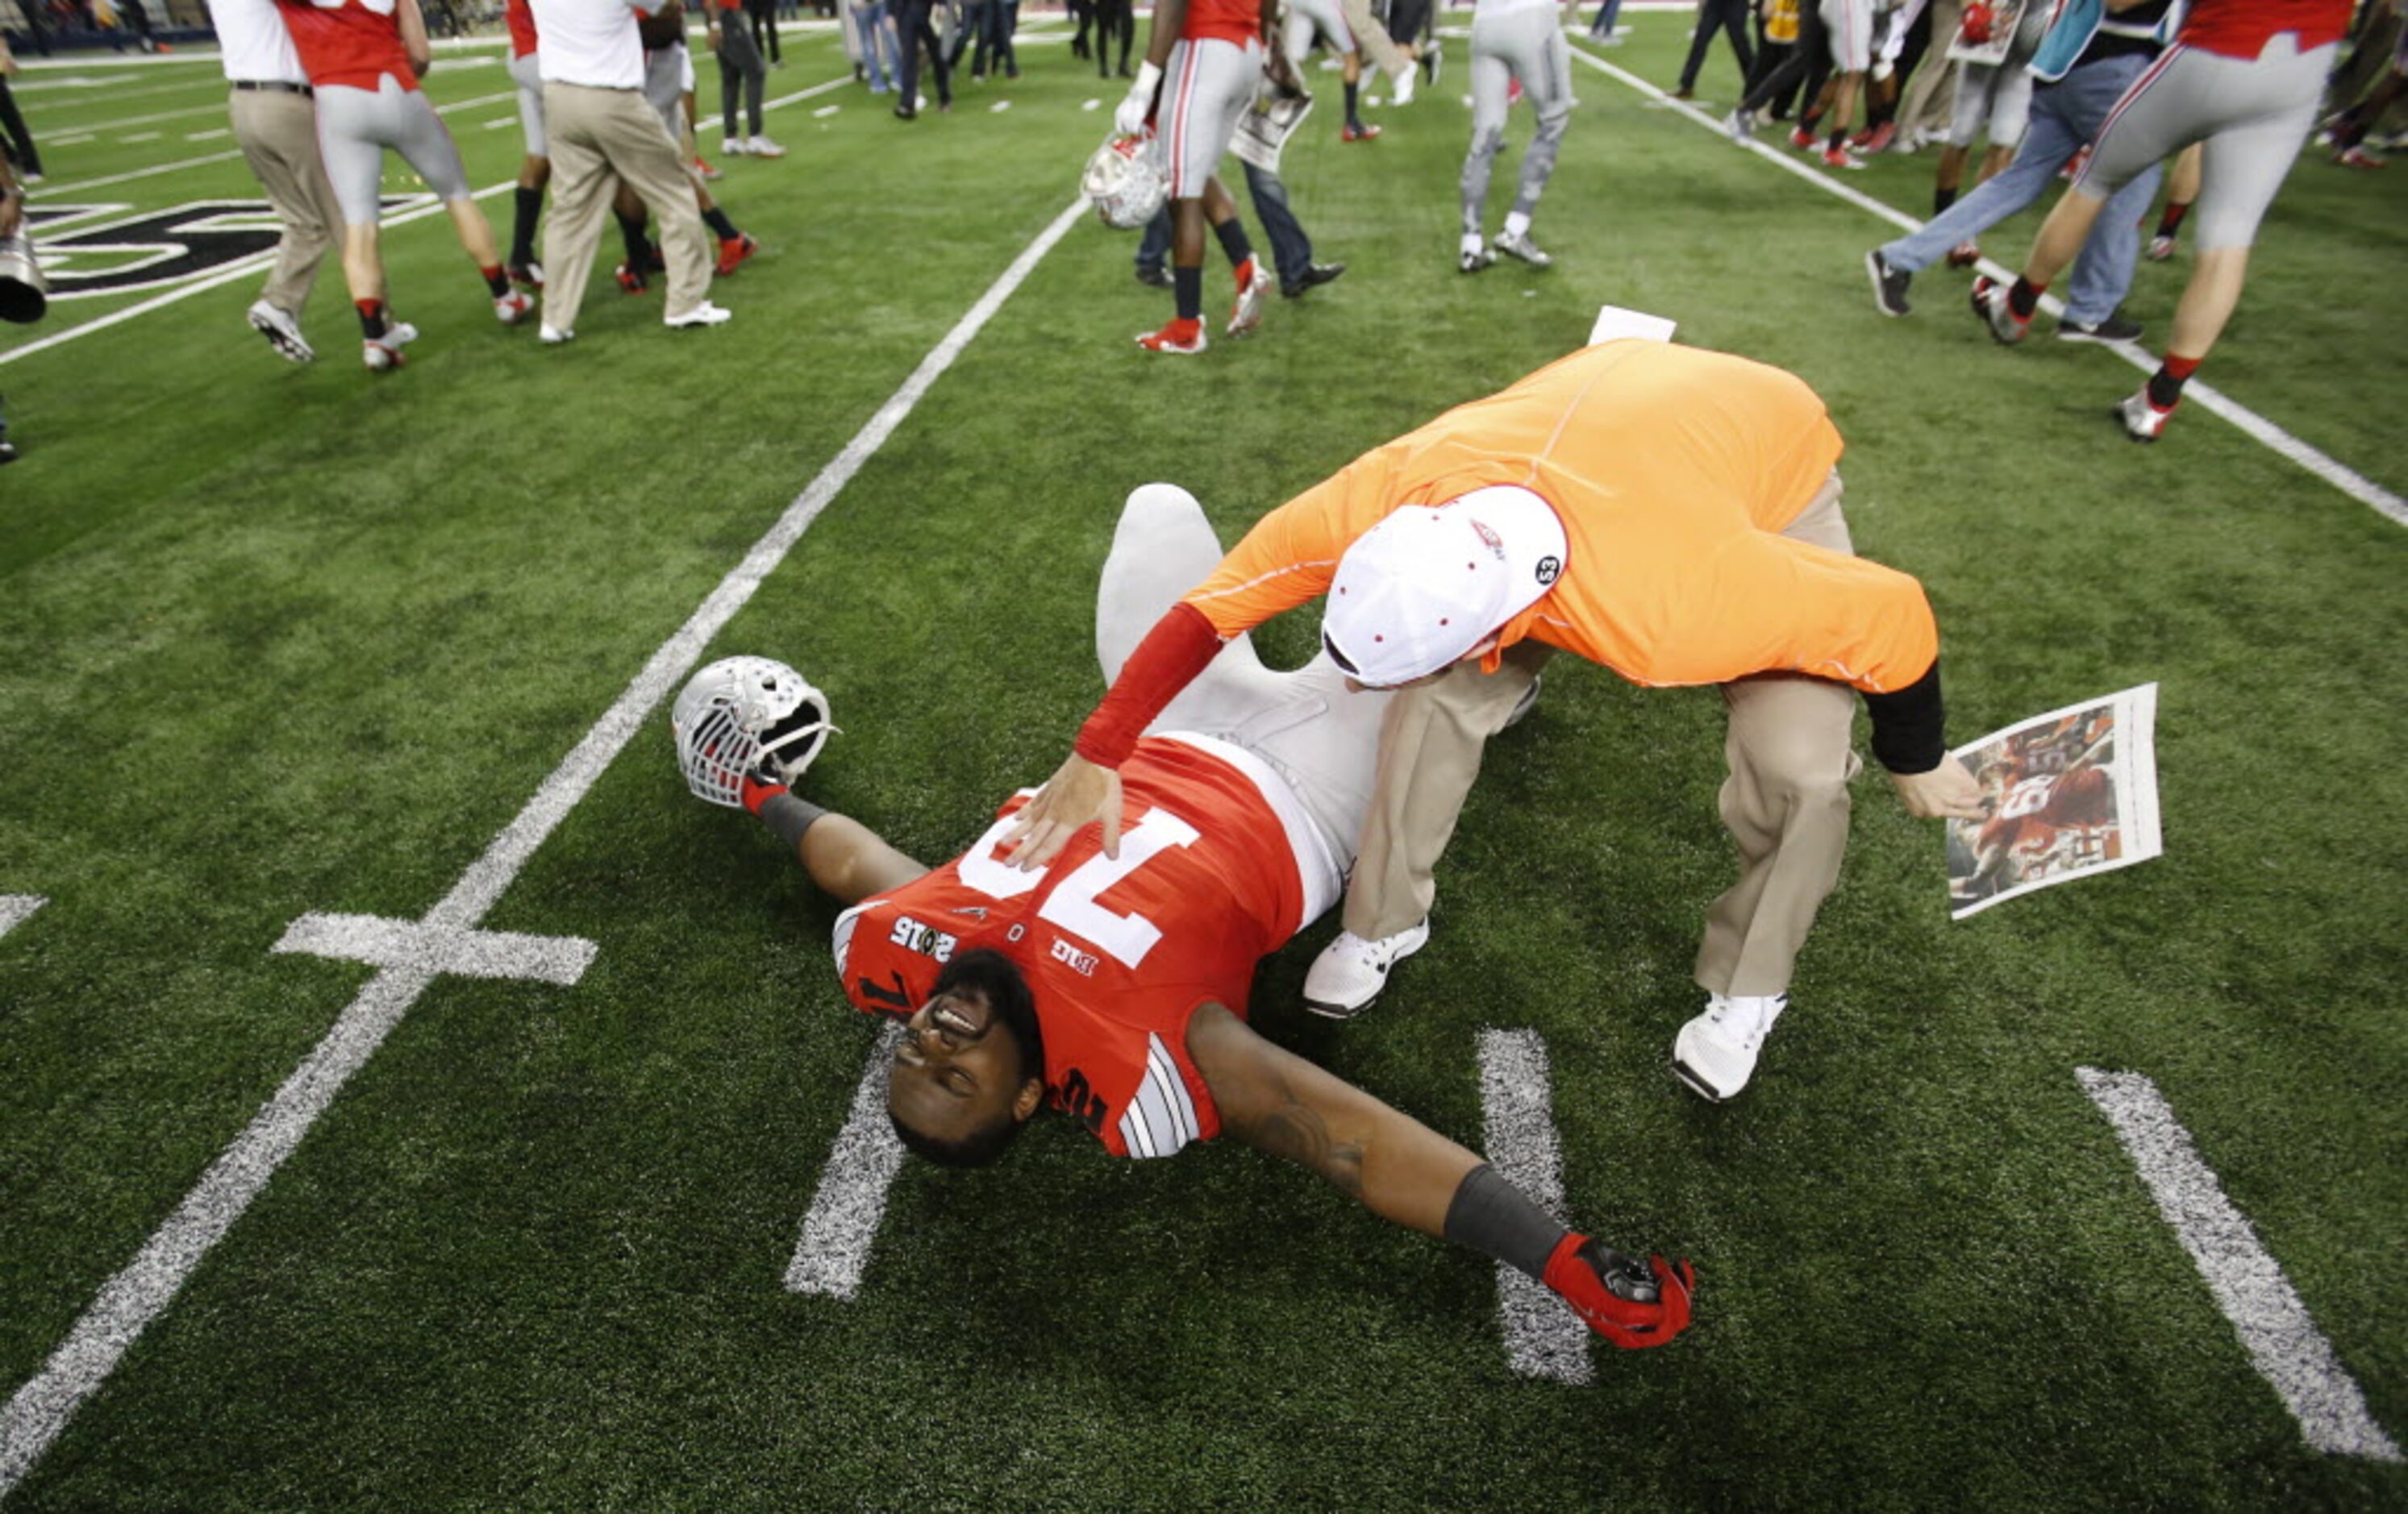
(1403, 1171)
(848, 860)
(413, 37)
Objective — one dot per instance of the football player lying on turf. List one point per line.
(1115, 990)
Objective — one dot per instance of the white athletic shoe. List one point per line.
(1474, 256)
(704, 314)
(2139, 417)
(1350, 972)
(734, 147)
(1740, 125)
(1246, 315)
(761, 147)
(383, 353)
(282, 331)
(512, 308)
(552, 336)
(1716, 1053)
(1518, 245)
(1405, 83)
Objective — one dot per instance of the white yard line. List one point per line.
(1544, 1337)
(136, 1295)
(2256, 427)
(233, 272)
(2282, 1342)
(16, 908)
(841, 1226)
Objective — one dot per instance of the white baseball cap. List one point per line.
(1428, 583)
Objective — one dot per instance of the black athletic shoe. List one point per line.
(1319, 274)
(1155, 277)
(1889, 284)
(2117, 327)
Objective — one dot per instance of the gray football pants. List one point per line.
(1305, 725)
(355, 128)
(1526, 45)
(1785, 801)
(2253, 114)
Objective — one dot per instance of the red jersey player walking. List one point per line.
(364, 58)
(1114, 989)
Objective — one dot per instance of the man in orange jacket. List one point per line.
(1671, 513)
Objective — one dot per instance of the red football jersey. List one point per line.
(1118, 952)
(2241, 28)
(521, 21)
(353, 42)
(1231, 21)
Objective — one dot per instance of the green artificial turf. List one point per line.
(276, 640)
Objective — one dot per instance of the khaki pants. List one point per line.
(599, 137)
(1785, 801)
(1371, 37)
(1930, 104)
(278, 133)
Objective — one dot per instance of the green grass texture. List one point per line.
(277, 639)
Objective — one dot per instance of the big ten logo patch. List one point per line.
(927, 940)
(1079, 961)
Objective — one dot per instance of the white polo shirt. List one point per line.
(253, 47)
(591, 42)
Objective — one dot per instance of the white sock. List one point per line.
(1471, 243)
(1516, 224)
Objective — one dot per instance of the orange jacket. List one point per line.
(1674, 471)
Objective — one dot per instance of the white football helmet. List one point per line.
(746, 713)
(1126, 182)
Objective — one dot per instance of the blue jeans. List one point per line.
(877, 45)
(1603, 25)
(2064, 116)
(1291, 249)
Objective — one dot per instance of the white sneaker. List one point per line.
(383, 353)
(553, 336)
(282, 331)
(1473, 256)
(2141, 418)
(1716, 1053)
(735, 146)
(512, 308)
(1518, 245)
(761, 147)
(1350, 972)
(704, 314)
(1740, 125)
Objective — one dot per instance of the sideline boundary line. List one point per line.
(2249, 423)
(143, 1289)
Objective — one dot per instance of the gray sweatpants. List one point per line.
(2252, 112)
(356, 126)
(1526, 45)
(1305, 725)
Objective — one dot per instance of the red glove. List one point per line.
(1632, 1304)
(759, 791)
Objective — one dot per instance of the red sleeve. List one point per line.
(1180, 645)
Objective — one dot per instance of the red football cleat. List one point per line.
(1181, 338)
(733, 250)
(631, 280)
(1352, 132)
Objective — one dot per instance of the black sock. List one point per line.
(530, 207)
(1941, 199)
(497, 280)
(631, 230)
(2023, 298)
(1352, 92)
(1232, 233)
(372, 318)
(720, 225)
(2172, 216)
(1839, 139)
(2166, 385)
(1189, 285)
(1493, 1218)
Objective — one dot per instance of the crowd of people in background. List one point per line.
(2211, 97)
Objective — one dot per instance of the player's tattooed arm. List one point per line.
(1277, 1102)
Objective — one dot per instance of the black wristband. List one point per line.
(1496, 1219)
(1909, 724)
(789, 817)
